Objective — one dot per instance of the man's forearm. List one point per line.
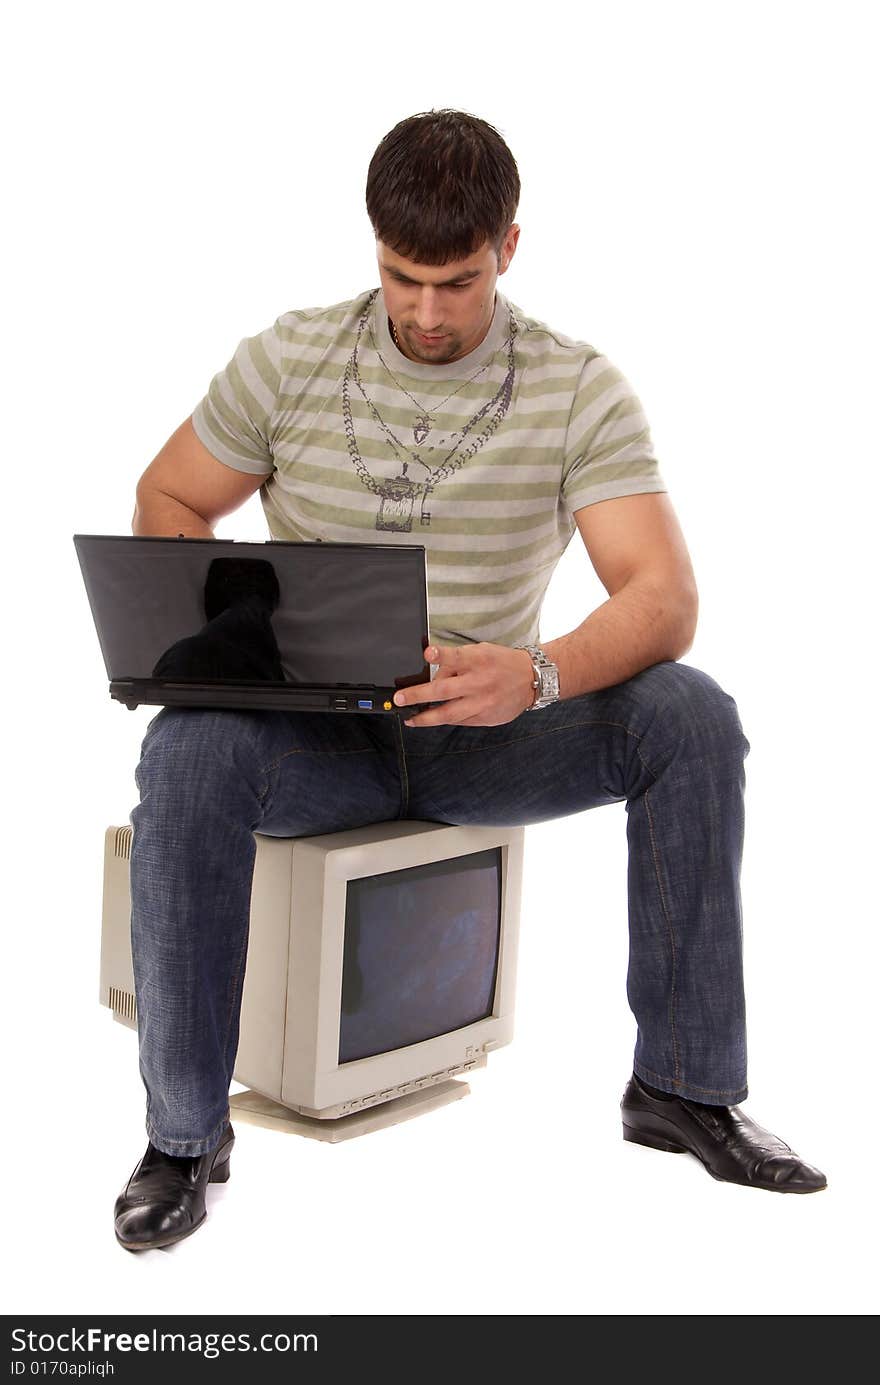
(157, 515)
(640, 625)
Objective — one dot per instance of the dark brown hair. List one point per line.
(440, 185)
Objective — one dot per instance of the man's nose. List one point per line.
(429, 314)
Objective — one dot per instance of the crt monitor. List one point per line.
(381, 960)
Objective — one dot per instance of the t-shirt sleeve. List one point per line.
(234, 420)
(608, 448)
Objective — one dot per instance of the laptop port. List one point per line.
(365, 702)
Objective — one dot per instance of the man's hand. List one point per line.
(477, 685)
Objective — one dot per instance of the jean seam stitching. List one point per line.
(556, 730)
(676, 1066)
(680, 1082)
(236, 987)
(218, 1129)
(404, 776)
(305, 750)
(500, 745)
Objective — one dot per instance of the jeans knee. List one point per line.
(199, 749)
(696, 705)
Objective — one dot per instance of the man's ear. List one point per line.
(509, 248)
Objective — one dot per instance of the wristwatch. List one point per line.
(546, 682)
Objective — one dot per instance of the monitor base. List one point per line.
(255, 1109)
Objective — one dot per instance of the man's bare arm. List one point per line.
(185, 490)
(638, 552)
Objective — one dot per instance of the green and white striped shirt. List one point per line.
(325, 405)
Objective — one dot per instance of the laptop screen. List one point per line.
(214, 610)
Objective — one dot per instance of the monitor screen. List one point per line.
(420, 953)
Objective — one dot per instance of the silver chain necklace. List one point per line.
(425, 420)
(398, 495)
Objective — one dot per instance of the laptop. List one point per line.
(319, 627)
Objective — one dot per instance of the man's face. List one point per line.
(453, 303)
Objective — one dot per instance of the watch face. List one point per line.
(549, 683)
(547, 677)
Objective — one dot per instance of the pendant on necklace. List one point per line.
(422, 427)
(396, 507)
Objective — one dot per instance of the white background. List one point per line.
(696, 203)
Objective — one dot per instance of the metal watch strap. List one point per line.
(546, 680)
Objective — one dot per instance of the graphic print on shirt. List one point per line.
(398, 495)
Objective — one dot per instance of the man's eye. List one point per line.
(404, 283)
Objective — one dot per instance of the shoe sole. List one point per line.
(652, 1141)
(644, 1137)
(160, 1244)
(219, 1174)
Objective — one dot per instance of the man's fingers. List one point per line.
(434, 718)
(446, 655)
(440, 690)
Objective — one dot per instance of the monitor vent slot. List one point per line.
(123, 1003)
(122, 845)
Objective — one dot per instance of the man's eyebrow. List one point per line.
(465, 274)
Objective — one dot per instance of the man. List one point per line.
(434, 409)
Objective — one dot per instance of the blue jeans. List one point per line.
(667, 742)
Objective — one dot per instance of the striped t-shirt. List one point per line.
(484, 461)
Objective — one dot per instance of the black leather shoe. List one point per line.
(164, 1200)
(728, 1142)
